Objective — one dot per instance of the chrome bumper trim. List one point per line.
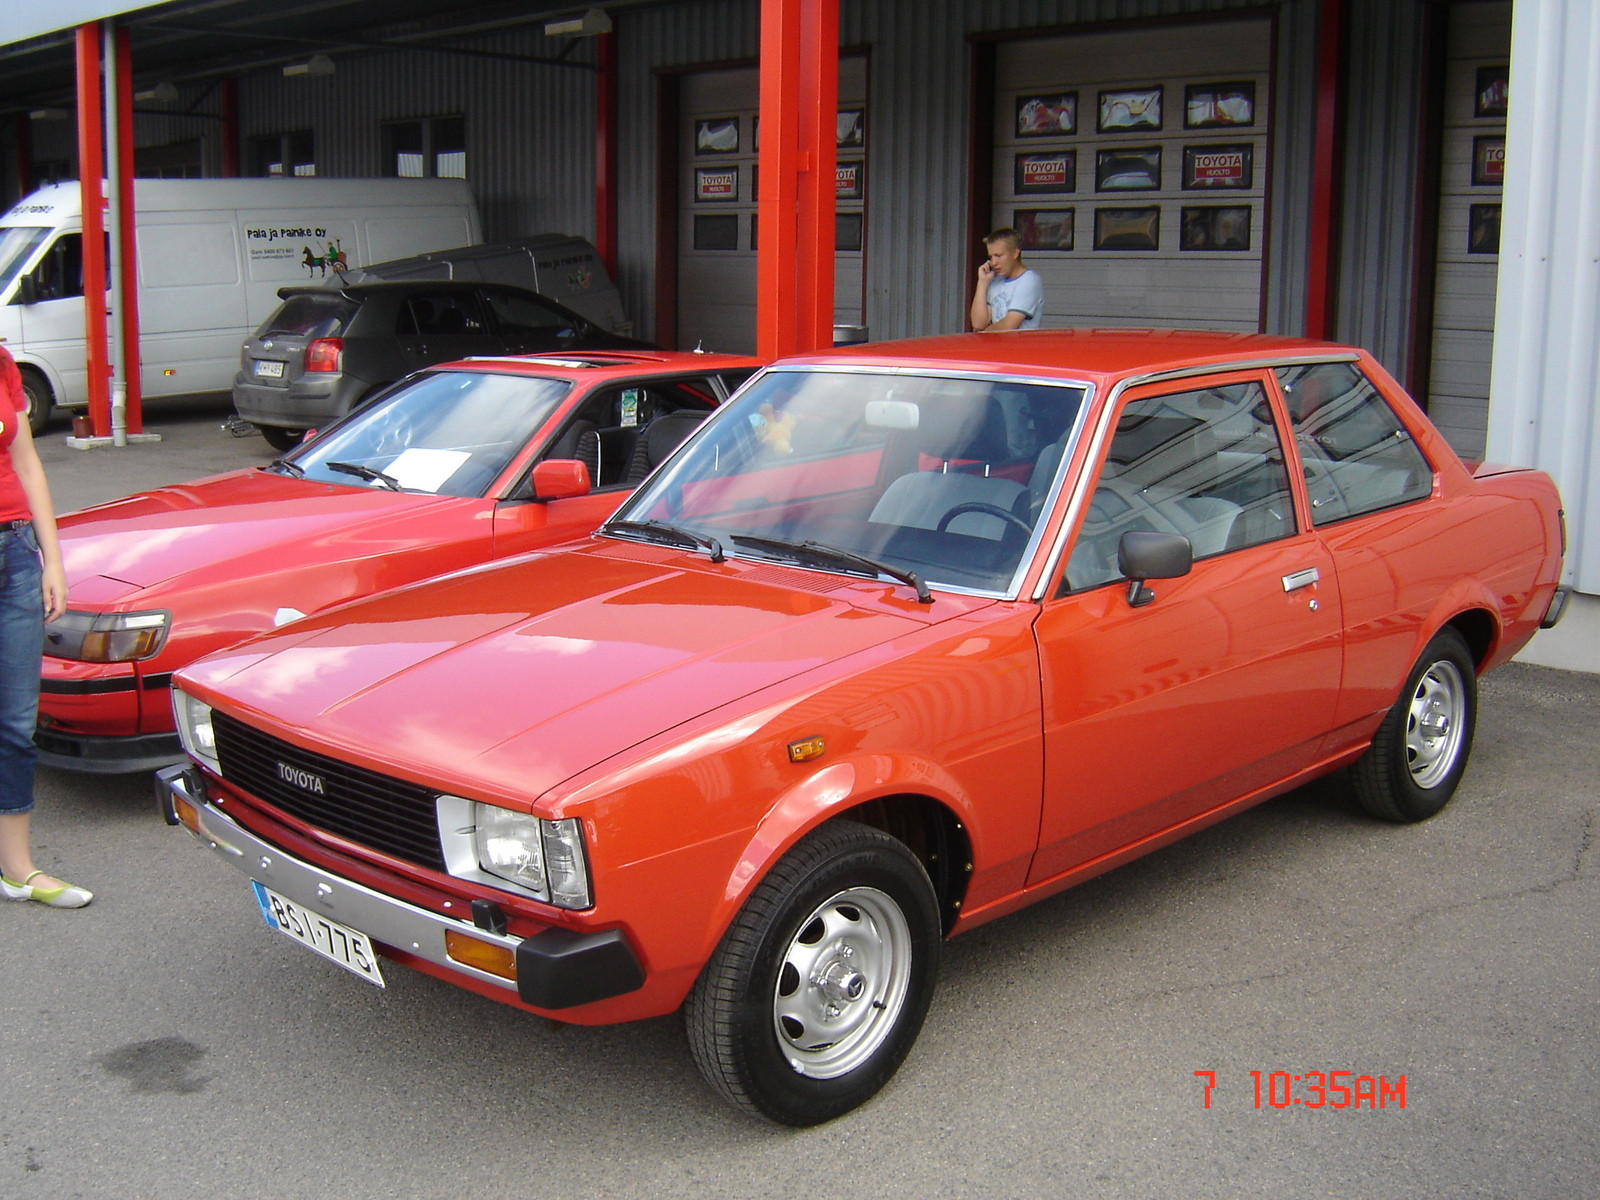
(382, 918)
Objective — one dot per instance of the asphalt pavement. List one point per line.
(163, 1043)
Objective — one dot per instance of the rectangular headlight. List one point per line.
(545, 858)
(106, 637)
(195, 731)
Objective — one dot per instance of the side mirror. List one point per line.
(27, 290)
(1143, 555)
(559, 478)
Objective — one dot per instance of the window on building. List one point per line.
(426, 148)
(291, 155)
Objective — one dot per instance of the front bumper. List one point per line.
(96, 755)
(556, 968)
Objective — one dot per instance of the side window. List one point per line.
(1207, 464)
(441, 313)
(523, 314)
(60, 272)
(1358, 455)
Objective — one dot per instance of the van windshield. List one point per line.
(17, 245)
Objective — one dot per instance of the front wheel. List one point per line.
(39, 401)
(819, 987)
(1419, 753)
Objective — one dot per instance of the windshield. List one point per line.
(449, 433)
(942, 477)
(17, 245)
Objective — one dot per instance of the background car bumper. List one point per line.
(106, 755)
(301, 405)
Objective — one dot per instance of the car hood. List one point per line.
(237, 525)
(515, 677)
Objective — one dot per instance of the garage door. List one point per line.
(717, 220)
(1134, 163)
(1471, 174)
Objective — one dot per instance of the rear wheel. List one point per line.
(280, 438)
(1419, 753)
(39, 400)
(819, 987)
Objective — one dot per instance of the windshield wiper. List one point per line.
(361, 472)
(820, 554)
(287, 467)
(660, 531)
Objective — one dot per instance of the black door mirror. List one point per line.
(1143, 555)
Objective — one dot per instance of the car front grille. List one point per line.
(390, 815)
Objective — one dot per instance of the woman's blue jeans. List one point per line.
(21, 645)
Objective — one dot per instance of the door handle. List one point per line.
(1301, 579)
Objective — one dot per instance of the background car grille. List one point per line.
(387, 814)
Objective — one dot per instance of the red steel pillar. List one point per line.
(799, 113)
(1322, 275)
(605, 152)
(91, 146)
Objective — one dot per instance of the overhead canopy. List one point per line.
(197, 40)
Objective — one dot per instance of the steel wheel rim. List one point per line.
(842, 982)
(1435, 723)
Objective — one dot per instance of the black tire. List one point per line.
(1420, 752)
(280, 438)
(39, 400)
(820, 986)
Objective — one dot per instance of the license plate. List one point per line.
(266, 368)
(335, 942)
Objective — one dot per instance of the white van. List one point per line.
(212, 254)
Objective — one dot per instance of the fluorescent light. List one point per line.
(590, 23)
(317, 64)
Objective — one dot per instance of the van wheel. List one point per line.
(1420, 751)
(280, 438)
(39, 400)
(820, 985)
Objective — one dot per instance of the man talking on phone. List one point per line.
(1010, 295)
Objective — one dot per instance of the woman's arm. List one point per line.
(30, 474)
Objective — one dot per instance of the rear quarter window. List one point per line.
(309, 316)
(1358, 455)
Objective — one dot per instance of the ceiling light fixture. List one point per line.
(592, 22)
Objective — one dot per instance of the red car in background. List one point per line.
(904, 638)
(450, 467)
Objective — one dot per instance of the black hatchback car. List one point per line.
(327, 348)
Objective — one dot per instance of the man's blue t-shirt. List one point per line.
(1024, 294)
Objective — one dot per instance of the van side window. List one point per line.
(1358, 455)
(1207, 464)
(60, 273)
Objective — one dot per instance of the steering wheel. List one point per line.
(993, 510)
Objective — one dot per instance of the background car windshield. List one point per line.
(944, 476)
(450, 433)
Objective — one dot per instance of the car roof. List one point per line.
(385, 287)
(604, 364)
(1095, 354)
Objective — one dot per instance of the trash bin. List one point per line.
(849, 335)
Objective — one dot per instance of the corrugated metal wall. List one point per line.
(918, 260)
